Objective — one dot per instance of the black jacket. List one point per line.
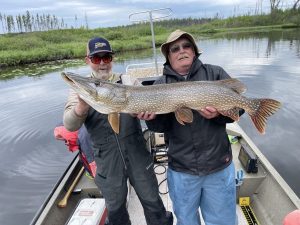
(128, 148)
(201, 147)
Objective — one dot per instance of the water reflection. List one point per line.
(290, 35)
(32, 100)
(269, 66)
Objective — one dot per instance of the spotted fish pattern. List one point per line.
(180, 98)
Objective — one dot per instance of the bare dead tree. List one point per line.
(258, 7)
(295, 6)
(86, 21)
(274, 4)
(1, 19)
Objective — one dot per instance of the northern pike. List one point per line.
(180, 98)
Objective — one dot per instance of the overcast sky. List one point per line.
(107, 13)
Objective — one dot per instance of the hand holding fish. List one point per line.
(209, 112)
(82, 107)
(146, 116)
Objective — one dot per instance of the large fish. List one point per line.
(180, 98)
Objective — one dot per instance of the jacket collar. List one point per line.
(168, 70)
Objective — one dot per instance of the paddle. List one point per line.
(63, 202)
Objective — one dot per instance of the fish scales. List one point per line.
(164, 98)
(180, 98)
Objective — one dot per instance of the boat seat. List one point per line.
(251, 181)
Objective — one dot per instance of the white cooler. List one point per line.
(89, 211)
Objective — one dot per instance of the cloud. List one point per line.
(187, 3)
(116, 12)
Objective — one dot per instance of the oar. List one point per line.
(63, 203)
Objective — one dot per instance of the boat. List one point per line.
(263, 197)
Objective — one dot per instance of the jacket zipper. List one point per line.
(120, 150)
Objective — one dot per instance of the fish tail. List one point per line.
(261, 110)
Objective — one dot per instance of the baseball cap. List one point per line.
(99, 45)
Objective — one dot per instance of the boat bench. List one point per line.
(251, 181)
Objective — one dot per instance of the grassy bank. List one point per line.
(34, 47)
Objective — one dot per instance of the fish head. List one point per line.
(88, 87)
(99, 94)
(83, 86)
(105, 91)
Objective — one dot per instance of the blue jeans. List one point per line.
(215, 194)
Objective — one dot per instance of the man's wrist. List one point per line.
(80, 113)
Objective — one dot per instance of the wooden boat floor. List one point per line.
(136, 211)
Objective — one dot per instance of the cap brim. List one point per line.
(100, 51)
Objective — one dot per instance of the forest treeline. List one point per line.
(29, 22)
(46, 39)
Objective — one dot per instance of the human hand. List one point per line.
(209, 112)
(82, 107)
(146, 116)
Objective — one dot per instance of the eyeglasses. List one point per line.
(96, 59)
(184, 46)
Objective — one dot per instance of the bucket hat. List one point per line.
(174, 36)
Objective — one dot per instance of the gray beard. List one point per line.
(103, 75)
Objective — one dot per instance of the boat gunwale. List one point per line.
(238, 131)
(43, 211)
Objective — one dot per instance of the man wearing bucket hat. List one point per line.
(200, 169)
(119, 157)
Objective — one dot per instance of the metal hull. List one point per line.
(270, 197)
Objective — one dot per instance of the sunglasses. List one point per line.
(184, 46)
(96, 59)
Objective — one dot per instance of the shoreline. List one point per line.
(21, 49)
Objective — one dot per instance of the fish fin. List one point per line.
(184, 115)
(262, 108)
(234, 84)
(114, 121)
(231, 113)
(178, 119)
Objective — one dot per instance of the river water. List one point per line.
(32, 100)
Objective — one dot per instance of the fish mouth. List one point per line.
(82, 85)
(67, 79)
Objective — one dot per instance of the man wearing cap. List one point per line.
(200, 169)
(119, 157)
